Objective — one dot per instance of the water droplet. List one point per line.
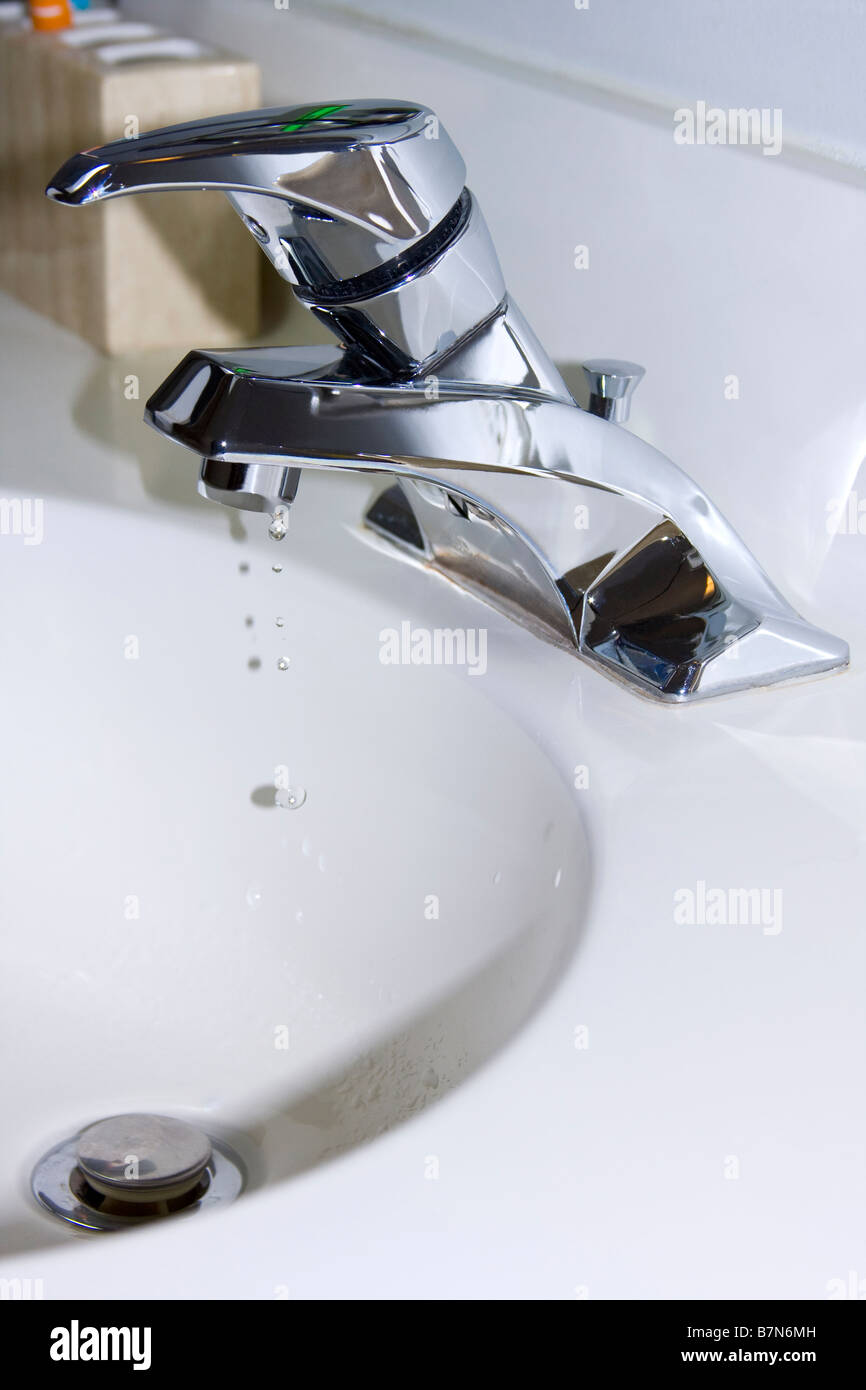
(557, 879)
(322, 862)
(277, 569)
(290, 798)
(299, 916)
(279, 527)
(243, 567)
(254, 663)
(249, 620)
(497, 877)
(254, 896)
(281, 622)
(283, 663)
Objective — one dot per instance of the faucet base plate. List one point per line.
(651, 615)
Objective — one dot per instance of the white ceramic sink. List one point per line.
(178, 943)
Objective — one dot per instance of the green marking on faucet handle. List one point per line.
(315, 115)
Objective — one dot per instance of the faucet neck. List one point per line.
(504, 354)
(410, 314)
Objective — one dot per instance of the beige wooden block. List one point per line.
(149, 271)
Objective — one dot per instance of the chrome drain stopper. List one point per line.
(133, 1168)
(143, 1158)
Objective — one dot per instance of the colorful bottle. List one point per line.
(50, 14)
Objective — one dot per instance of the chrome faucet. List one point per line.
(493, 475)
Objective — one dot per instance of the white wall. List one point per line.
(804, 56)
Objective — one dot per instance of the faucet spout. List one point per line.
(567, 523)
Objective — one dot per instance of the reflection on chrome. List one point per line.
(491, 472)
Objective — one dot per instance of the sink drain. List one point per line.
(133, 1168)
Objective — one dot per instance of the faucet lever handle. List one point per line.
(332, 192)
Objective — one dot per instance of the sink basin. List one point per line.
(298, 976)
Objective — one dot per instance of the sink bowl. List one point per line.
(296, 976)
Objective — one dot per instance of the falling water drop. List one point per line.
(254, 896)
(283, 663)
(281, 622)
(279, 527)
(290, 798)
(277, 569)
